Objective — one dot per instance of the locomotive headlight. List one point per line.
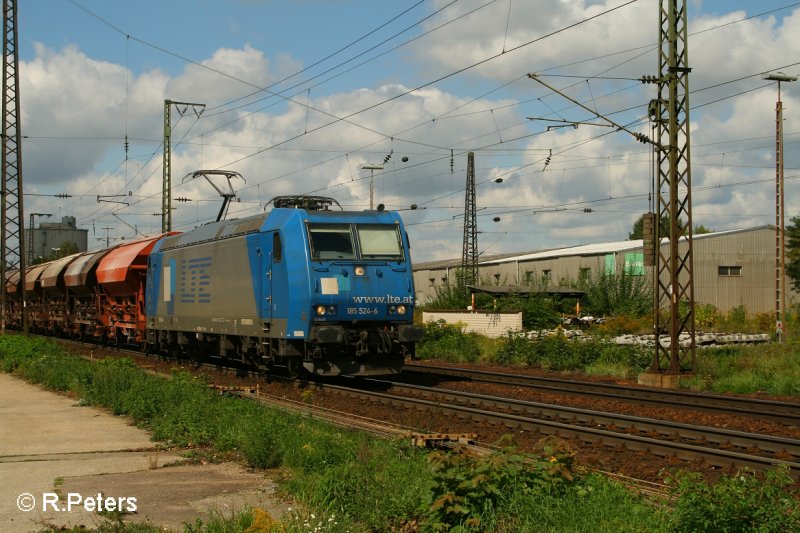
(331, 310)
(321, 310)
(392, 310)
(360, 270)
(401, 309)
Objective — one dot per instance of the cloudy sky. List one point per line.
(299, 95)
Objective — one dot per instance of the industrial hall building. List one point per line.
(731, 268)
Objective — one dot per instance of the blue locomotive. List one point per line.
(306, 287)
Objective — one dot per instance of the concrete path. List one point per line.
(59, 462)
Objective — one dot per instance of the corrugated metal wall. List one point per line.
(730, 269)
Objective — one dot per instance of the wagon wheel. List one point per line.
(194, 355)
(293, 367)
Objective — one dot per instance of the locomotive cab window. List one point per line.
(277, 252)
(331, 241)
(379, 242)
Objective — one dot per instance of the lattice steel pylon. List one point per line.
(469, 255)
(673, 280)
(12, 232)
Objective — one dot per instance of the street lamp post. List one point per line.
(780, 233)
(372, 169)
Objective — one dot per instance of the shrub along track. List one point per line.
(602, 451)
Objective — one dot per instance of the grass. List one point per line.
(772, 369)
(346, 480)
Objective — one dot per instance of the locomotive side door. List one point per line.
(278, 285)
(265, 269)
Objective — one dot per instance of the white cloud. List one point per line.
(78, 110)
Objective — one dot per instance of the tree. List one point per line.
(65, 249)
(638, 228)
(701, 229)
(793, 252)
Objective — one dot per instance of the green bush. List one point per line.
(468, 490)
(538, 310)
(706, 316)
(450, 295)
(384, 485)
(637, 357)
(262, 445)
(740, 503)
(556, 352)
(736, 319)
(614, 294)
(514, 349)
(773, 369)
(449, 342)
(371, 484)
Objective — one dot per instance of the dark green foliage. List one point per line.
(183, 410)
(449, 342)
(636, 357)
(637, 232)
(556, 352)
(385, 486)
(793, 252)
(261, 444)
(371, 484)
(615, 294)
(43, 361)
(469, 489)
(450, 295)
(740, 503)
(514, 349)
(538, 310)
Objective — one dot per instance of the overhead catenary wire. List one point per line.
(439, 79)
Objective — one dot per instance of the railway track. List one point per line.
(717, 447)
(786, 413)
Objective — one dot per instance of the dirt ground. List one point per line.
(55, 456)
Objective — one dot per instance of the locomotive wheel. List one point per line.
(195, 355)
(293, 367)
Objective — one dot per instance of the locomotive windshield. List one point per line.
(335, 241)
(379, 242)
(331, 242)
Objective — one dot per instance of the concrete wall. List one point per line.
(50, 235)
(489, 324)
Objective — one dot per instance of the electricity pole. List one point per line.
(12, 218)
(469, 255)
(673, 280)
(166, 192)
(780, 227)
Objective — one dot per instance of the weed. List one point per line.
(449, 342)
(352, 482)
(616, 293)
(735, 503)
(469, 489)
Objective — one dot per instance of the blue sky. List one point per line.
(94, 72)
(307, 29)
